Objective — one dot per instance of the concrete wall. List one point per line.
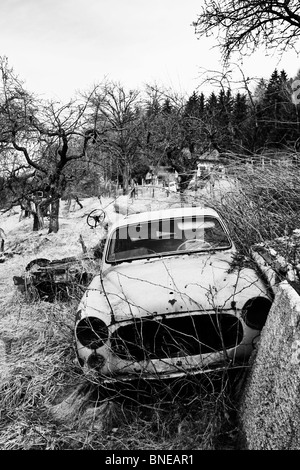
(270, 406)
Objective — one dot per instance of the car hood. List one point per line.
(173, 284)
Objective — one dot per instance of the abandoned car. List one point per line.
(168, 300)
(54, 280)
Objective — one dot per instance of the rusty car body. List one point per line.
(51, 280)
(168, 300)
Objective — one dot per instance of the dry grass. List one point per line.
(42, 376)
(258, 202)
(39, 369)
(39, 376)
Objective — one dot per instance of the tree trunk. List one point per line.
(38, 220)
(125, 179)
(54, 214)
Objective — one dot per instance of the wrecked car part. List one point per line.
(92, 332)
(95, 217)
(36, 263)
(176, 336)
(255, 312)
(53, 280)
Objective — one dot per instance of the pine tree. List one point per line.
(241, 123)
(167, 107)
(275, 111)
(211, 105)
(193, 121)
(192, 107)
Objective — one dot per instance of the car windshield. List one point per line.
(166, 237)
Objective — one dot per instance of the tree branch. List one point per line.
(247, 24)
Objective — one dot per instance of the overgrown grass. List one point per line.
(42, 374)
(40, 368)
(39, 376)
(260, 204)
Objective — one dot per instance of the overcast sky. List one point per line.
(60, 46)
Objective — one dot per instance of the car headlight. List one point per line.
(255, 312)
(92, 332)
(96, 361)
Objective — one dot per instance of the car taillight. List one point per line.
(92, 332)
(255, 312)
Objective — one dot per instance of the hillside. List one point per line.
(46, 402)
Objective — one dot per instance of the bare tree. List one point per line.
(45, 137)
(245, 25)
(116, 113)
(162, 123)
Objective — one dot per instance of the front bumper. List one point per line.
(170, 361)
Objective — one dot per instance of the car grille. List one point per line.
(177, 336)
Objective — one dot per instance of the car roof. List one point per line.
(166, 214)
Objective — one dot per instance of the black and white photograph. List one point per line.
(149, 228)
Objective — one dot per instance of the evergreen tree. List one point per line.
(193, 122)
(195, 105)
(167, 107)
(274, 111)
(239, 109)
(225, 104)
(260, 90)
(241, 123)
(211, 105)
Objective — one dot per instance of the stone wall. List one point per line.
(270, 406)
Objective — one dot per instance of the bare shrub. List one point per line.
(263, 204)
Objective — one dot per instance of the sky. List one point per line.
(61, 46)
